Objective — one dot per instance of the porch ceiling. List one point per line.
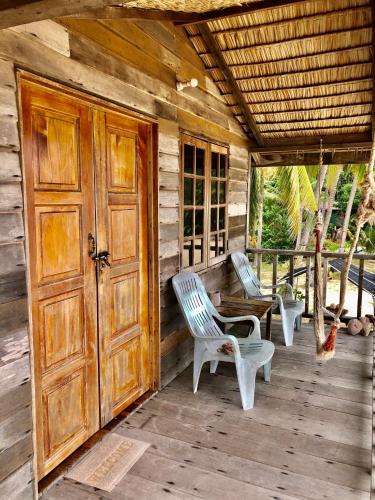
(292, 71)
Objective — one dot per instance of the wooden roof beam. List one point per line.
(294, 20)
(120, 12)
(14, 13)
(302, 71)
(282, 89)
(256, 64)
(305, 110)
(310, 158)
(340, 145)
(240, 10)
(305, 120)
(292, 99)
(294, 39)
(214, 49)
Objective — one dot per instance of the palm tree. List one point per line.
(294, 192)
(332, 180)
(308, 224)
(358, 173)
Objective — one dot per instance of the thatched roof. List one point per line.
(305, 70)
(292, 71)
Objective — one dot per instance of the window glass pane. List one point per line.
(187, 254)
(188, 158)
(188, 191)
(198, 251)
(222, 218)
(214, 164)
(213, 219)
(222, 244)
(198, 222)
(200, 161)
(199, 192)
(222, 192)
(188, 222)
(213, 192)
(222, 165)
(213, 246)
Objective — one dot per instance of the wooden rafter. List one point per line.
(295, 39)
(304, 110)
(295, 20)
(120, 12)
(28, 11)
(300, 58)
(291, 99)
(241, 10)
(303, 71)
(214, 49)
(318, 119)
(328, 146)
(296, 87)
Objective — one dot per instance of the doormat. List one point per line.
(108, 462)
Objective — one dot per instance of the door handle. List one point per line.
(92, 246)
(103, 259)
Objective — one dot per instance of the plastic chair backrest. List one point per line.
(246, 274)
(196, 307)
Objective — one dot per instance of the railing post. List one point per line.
(274, 273)
(307, 285)
(291, 270)
(360, 287)
(325, 279)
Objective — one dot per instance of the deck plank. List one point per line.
(308, 436)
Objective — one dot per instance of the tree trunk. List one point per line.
(331, 201)
(298, 239)
(309, 222)
(260, 225)
(348, 213)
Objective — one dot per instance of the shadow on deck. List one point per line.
(309, 435)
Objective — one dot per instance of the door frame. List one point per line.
(153, 220)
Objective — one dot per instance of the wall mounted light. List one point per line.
(190, 83)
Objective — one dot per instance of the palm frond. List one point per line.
(307, 196)
(332, 176)
(289, 185)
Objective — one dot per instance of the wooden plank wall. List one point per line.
(135, 64)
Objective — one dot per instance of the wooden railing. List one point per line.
(307, 258)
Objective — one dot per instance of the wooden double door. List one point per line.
(85, 168)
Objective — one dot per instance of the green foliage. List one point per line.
(275, 225)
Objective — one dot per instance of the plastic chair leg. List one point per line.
(298, 322)
(267, 371)
(246, 374)
(213, 366)
(288, 329)
(198, 363)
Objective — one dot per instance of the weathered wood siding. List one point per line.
(135, 64)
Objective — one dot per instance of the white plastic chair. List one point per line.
(248, 354)
(290, 310)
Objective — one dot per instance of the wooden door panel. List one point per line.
(123, 288)
(55, 142)
(126, 364)
(59, 187)
(59, 242)
(62, 329)
(124, 303)
(122, 167)
(123, 233)
(58, 401)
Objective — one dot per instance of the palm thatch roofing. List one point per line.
(292, 72)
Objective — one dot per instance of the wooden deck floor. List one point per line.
(308, 437)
